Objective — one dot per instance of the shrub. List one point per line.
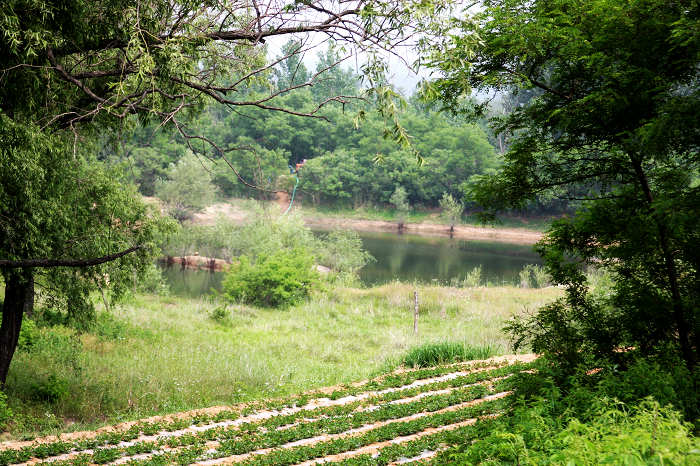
(534, 276)
(5, 411)
(432, 354)
(273, 280)
(188, 188)
(51, 390)
(220, 314)
(28, 335)
(153, 282)
(399, 199)
(342, 252)
(613, 434)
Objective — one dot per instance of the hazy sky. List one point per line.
(400, 75)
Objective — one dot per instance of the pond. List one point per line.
(426, 259)
(402, 257)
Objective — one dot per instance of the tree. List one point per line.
(451, 210)
(400, 202)
(71, 71)
(66, 223)
(334, 79)
(618, 114)
(291, 71)
(188, 188)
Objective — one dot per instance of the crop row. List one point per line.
(411, 449)
(266, 434)
(384, 433)
(293, 455)
(56, 448)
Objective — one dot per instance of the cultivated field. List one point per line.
(408, 415)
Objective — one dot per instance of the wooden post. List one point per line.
(415, 312)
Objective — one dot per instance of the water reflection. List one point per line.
(409, 258)
(191, 282)
(403, 257)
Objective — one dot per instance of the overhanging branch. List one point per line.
(8, 264)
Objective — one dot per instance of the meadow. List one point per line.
(161, 354)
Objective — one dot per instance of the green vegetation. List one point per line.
(166, 354)
(456, 414)
(451, 209)
(613, 127)
(187, 188)
(280, 279)
(610, 415)
(433, 354)
(595, 117)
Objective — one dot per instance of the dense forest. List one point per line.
(349, 160)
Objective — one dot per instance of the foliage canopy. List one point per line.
(616, 110)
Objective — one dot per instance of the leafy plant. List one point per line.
(188, 187)
(220, 313)
(433, 354)
(5, 411)
(400, 202)
(28, 335)
(272, 280)
(534, 276)
(52, 389)
(451, 209)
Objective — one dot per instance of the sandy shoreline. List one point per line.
(507, 235)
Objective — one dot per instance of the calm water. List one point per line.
(189, 282)
(402, 257)
(425, 259)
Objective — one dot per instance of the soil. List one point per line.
(469, 367)
(508, 235)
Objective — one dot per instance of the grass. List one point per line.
(164, 354)
(444, 352)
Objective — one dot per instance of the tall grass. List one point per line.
(431, 354)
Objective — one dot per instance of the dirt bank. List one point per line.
(507, 235)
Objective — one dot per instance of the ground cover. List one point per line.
(344, 420)
(160, 355)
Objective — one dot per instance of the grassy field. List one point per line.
(164, 354)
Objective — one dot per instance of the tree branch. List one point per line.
(8, 264)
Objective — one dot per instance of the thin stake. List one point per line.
(415, 312)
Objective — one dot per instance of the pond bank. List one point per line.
(506, 235)
(237, 213)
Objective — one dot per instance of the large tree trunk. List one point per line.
(19, 298)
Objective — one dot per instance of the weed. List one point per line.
(220, 313)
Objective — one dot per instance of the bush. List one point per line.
(5, 411)
(432, 354)
(613, 434)
(51, 390)
(153, 281)
(28, 335)
(220, 314)
(188, 188)
(342, 252)
(534, 276)
(275, 280)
